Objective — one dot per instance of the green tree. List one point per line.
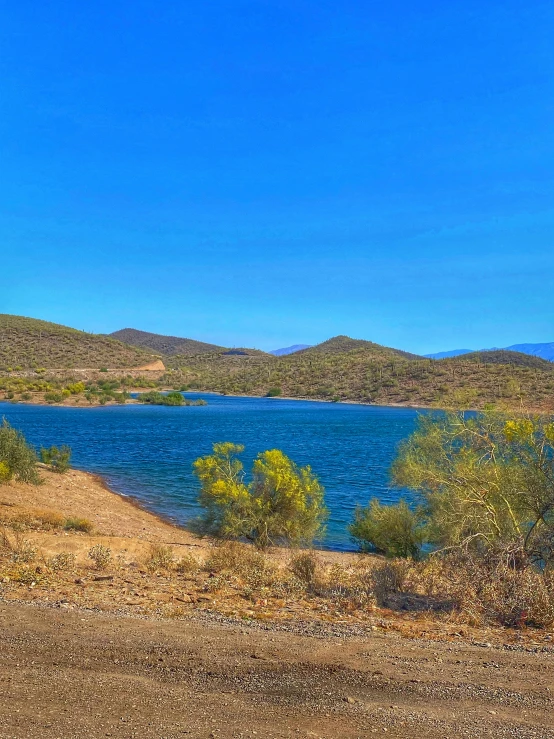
(485, 478)
(18, 460)
(283, 503)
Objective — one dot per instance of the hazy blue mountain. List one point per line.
(452, 353)
(290, 349)
(545, 351)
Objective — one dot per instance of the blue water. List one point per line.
(147, 451)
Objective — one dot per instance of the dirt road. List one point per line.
(73, 673)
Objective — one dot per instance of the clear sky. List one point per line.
(280, 171)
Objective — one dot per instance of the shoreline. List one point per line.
(133, 401)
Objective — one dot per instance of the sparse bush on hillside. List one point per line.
(282, 504)
(18, 459)
(76, 523)
(101, 556)
(62, 561)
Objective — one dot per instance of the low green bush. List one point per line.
(18, 459)
(393, 530)
(56, 458)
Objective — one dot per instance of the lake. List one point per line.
(147, 451)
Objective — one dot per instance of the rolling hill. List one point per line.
(544, 351)
(339, 369)
(344, 344)
(377, 375)
(505, 356)
(160, 344)
(29, 343)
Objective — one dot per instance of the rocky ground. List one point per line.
(147, 649)
(77, 673)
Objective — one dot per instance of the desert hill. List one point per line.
(505, 356)
(342, 344)
(160, 344)
(29, 343)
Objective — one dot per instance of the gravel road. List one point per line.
(71, 673)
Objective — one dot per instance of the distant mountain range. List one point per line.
(290, 350)
(544, 351)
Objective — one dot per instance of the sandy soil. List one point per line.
(130, 652)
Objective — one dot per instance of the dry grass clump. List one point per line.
(247, 565)
(17, 548)
(499, 587)
(161, 557)
(75, 523)
(34, 519)
(31, 519)
(188, 565)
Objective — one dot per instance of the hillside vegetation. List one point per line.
(505, 356)
(28, 343)
(160, 344)
(372, 375)
(342, 344)
(340, 369)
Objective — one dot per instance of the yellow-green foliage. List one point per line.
(282, 502)
(485, 478)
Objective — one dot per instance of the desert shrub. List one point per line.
(187, 565)
(52, 397)
(26, 575)
(62, 561)
(499, 586)
(75, 523)
(389, 578)
(273, 392)
(18, 459)
(304, 567)
(243, 561)
(56, 458)
(393, 530)
(352, 585)
(22, 550)
(283, 503)
(76, 388)
(101, 556)
(161, 557)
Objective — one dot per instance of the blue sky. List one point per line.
(273, 172)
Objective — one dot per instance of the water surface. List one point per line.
(147, 451)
